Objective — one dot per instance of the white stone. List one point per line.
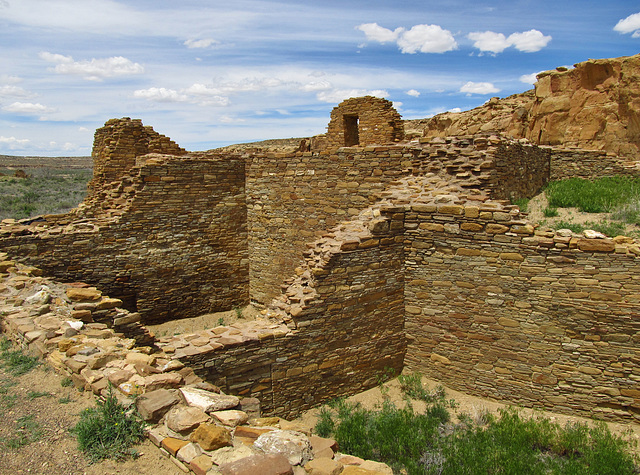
(208, 401)
(295, 446)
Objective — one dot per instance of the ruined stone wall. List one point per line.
(362, 121)
(589, 165)
(118, 143)
(346, 311)
(498, 310)
(295, 198)
(170, 240)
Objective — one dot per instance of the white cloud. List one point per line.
(95, 69)
(225, 119)
(375, 32)
(203, 43)
(413, 92)
(420, 38)
(492, 42)
(340, 95)
(529, 41)
(13, 91)
(489, 41)
(13, 140)
(427, 39)
(316, 86)
(160, 94)
(6, 79)
(479, 88)
(529, 78)
(27, 108)
(631, 24)
(455, 110)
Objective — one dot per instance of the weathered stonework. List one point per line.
(362, 121)
(364, 257)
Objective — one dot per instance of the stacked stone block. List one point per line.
(375, 120)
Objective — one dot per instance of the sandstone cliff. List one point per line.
(595, 105)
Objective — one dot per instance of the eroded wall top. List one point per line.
(363, 121)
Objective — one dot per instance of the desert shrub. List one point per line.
(108, 430)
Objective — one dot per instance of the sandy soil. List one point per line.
(56, 451)
(204, 322)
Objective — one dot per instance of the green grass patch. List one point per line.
(523, 204)
(550, 212)
(31, 395)
(108, 430)
(429, 442)
(65, 400)
(25, 432)
(597, 196)
(575, 227)
(15, 361)
(66, 382)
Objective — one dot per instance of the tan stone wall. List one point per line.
(170, 241)
(362, 121)
(589, 164)
(346, 312)
(295, 198)
(536, 319)
(118, 143)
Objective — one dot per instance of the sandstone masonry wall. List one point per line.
(118, 143)
(589, 164)
(169, 240)
(498, 310)
(295, 198)
(345, 309)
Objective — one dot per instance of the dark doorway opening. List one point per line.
(351, 134)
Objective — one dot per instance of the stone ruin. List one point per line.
(385, 254)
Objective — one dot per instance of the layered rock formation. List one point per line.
(593, 106)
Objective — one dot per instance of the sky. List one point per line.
(213, 73)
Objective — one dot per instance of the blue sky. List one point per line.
(213, 73)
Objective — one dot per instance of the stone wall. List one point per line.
(118, 143)
(497, 310)
(170, 240)
(295, 198)
(589, 164)
(345, 308)
(362, 121)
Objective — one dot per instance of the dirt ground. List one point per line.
(54, 449)
(54, 414)
(204, 322)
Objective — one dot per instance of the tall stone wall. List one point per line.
(170, 240)
(362, 121)
(345, 308)
(295, 198)
(498, 310)
(118, 143)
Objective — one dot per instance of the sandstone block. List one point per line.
(293, 445)
(208, 401)
(172, 445)
(211, 437)
(188, 452)
(264, 464)
(183, 419)
(323, 466)
(201, 464)
(80, 294)
(231, 418)
(596, 245)
(153, 405)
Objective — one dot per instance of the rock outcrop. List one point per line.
(595, 106)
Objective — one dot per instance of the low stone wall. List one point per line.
(498, 310)
(170, 240)
(589, 164)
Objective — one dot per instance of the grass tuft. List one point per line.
(15, 361)
(108, 430)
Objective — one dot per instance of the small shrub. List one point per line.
(108, 430)
(550, 212)
(66, 382)
(65, 400)
(238, 311)
(220, 321)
